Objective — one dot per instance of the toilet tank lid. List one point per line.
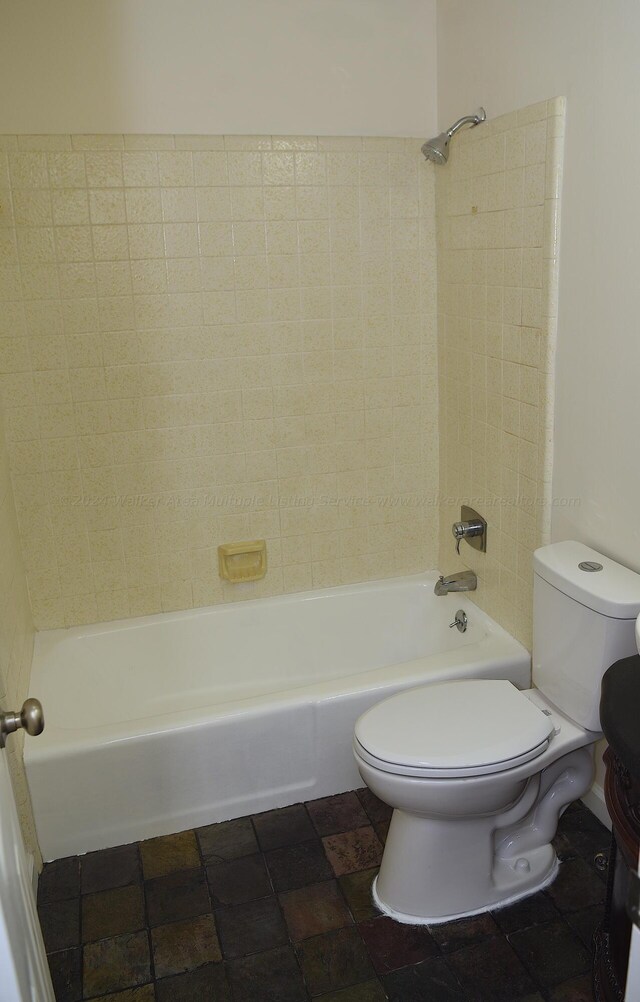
(613, 591)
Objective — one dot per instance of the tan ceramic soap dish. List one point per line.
(243, 561)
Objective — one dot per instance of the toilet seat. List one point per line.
(453, 729)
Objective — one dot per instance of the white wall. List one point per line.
(509, 53)
(330, 67)
(506, 54)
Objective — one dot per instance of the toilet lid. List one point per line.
(453, 729)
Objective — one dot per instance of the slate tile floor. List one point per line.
(277, 908)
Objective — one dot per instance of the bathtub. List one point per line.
(169, 722)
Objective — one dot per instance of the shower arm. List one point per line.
(471, 120)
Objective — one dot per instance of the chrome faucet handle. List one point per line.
(458, 534)
(471, 527)
(466, 530)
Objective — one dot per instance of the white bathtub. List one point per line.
(173, 721)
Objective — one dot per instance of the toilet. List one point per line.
(478, 772)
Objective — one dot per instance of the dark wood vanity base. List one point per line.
(619, 714)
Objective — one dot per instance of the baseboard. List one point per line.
(594, 800)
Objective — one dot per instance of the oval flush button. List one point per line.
(590, 565)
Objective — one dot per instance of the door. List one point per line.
(24, 972)
(632, 993)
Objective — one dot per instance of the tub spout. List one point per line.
(462, 581)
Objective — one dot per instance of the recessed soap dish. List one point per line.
(239, 562)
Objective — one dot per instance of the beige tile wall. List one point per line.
(206, 339)
(16, 643)
(498, 227)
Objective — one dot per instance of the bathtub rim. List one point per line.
(46, 638)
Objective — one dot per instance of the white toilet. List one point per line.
(477, 772)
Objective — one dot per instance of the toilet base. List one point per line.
(441, 866)
(511, 899)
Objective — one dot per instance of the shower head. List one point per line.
(437, 149)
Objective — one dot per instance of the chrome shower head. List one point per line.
(437, 149)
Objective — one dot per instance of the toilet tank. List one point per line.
(583, 621)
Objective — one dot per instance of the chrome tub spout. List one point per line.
(462, 581)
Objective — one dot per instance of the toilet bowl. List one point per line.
(478, 772)
(465, 839)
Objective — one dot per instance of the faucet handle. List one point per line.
(472, 527)
(466, 530)
(458, 534)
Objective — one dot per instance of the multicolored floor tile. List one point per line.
(277, 908)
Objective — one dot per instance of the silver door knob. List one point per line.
(30, 717)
